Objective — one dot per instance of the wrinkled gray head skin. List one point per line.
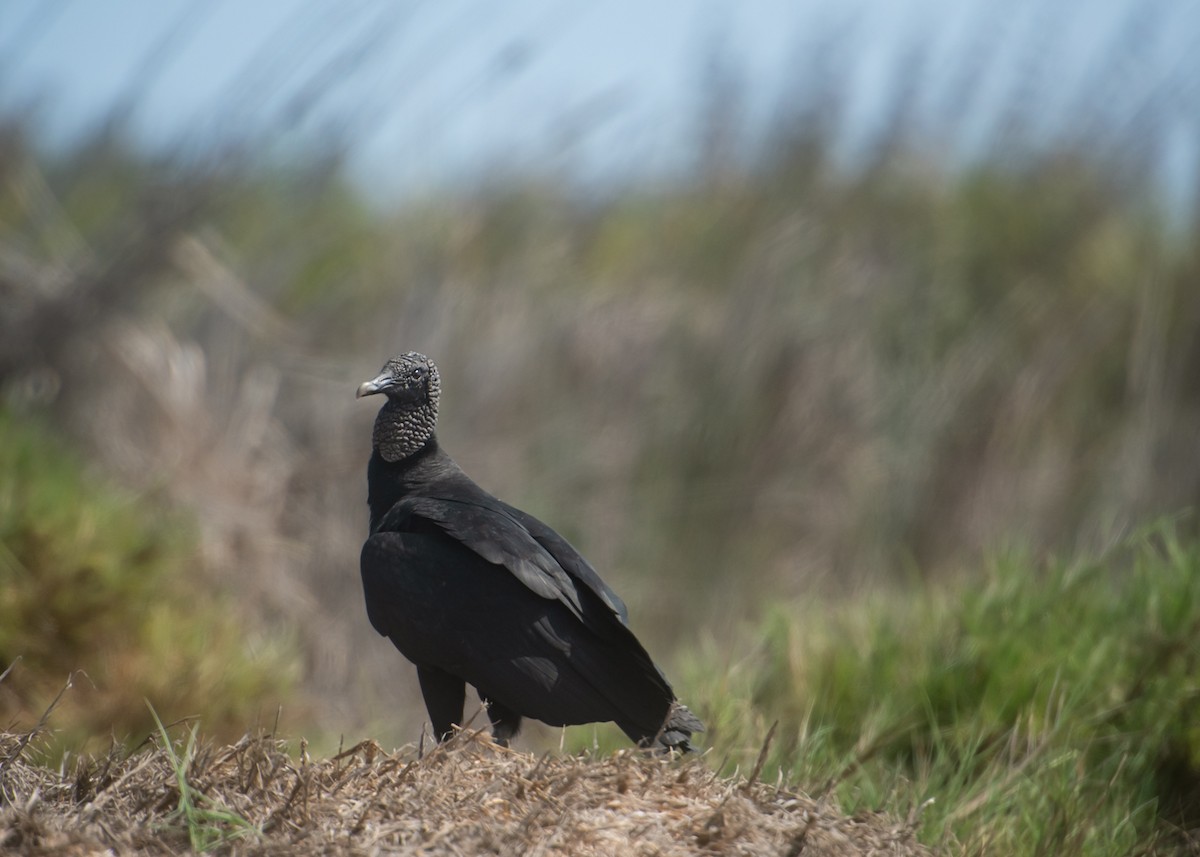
(407, 420)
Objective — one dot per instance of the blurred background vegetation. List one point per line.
(821, 372)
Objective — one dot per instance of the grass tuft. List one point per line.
(1043, 708)
(208, 824)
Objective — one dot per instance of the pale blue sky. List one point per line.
(429, 92)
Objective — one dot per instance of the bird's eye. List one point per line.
(417, 374)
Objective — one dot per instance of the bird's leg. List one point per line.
(444, 695)
(505, 722)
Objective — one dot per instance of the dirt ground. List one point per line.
(465, 797)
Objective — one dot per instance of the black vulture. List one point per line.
(472, 590)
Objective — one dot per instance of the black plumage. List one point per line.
(475, 591)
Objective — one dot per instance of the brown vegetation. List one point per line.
(464, 797)
(794, 383)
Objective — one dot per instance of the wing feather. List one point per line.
(492, 532)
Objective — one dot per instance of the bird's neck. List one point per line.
(389, 482)
(402, 432)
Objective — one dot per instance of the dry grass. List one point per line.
(466, 797)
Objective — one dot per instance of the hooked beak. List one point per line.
(376, 385)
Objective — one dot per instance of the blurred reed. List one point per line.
(800, 378)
